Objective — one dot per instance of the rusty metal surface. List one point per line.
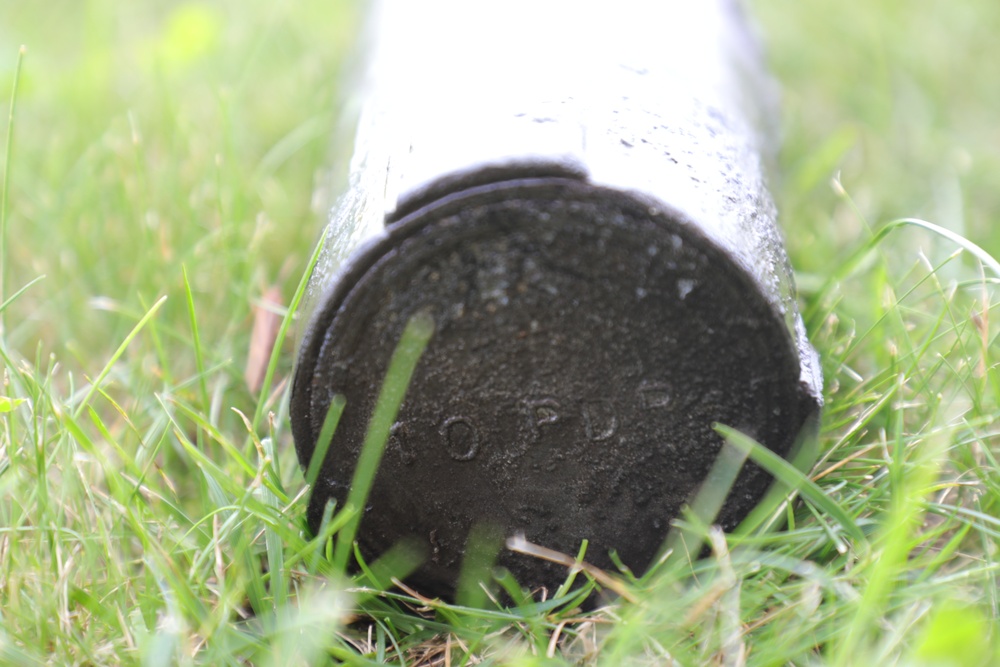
(587, 221)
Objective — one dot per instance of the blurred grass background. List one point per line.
(154, 138)
(200, 133)
(899, 99)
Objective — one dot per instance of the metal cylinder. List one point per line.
(575, 192)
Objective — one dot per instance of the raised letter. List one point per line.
(542, 412)
(599, 419)
(460, 437)
(653, 395)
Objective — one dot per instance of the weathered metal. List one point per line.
(575, 192)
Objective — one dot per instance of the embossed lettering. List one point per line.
(542, 412)
(461, 438)
(599, 419)
(653, 395)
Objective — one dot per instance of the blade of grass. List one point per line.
(330, 422)
(412, 344)
(898, 535)
(803, 456)
(11, 654)
(199, 357)
(565, 587)
(286, 322)
(13, 297)
(399, 562)
(785, 473)
(482, 546)
(154, 336)
(273, 543)
(861, 254)
(117, 355)
(684, 544)
(8, 152)
(959, 240)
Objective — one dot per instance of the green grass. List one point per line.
(167, 164)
